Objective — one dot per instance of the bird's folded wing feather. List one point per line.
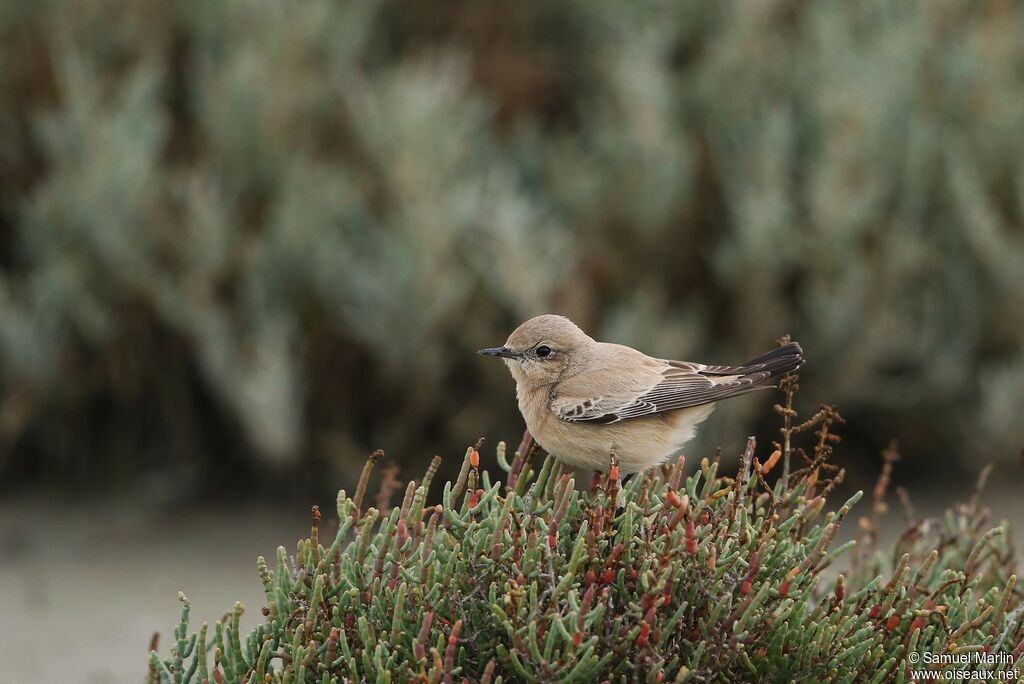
(663, 386)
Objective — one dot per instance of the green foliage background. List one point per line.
(266, 231)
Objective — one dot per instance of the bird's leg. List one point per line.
(614, 481)
(620, 498)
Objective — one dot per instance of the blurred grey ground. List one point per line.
(102, 577)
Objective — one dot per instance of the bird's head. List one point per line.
(540, 350)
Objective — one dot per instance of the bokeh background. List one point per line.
(244, 243)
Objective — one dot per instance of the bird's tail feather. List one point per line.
(780, 360)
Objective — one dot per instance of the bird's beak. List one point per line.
(499, 351)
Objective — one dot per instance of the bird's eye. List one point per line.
(543, 351)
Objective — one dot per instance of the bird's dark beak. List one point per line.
(499, 351)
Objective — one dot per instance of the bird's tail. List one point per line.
(780, 360)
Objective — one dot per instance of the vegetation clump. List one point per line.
(671, 578)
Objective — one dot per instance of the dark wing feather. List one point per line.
(682, 385)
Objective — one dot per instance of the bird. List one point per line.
(586, 401)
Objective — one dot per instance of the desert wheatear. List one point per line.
(584, 400)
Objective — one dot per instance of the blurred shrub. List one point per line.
(276, 228)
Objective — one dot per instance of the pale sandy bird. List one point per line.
(584, 400)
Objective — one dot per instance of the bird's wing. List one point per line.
(666, 386)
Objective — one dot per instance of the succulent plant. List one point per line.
(671, 578)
